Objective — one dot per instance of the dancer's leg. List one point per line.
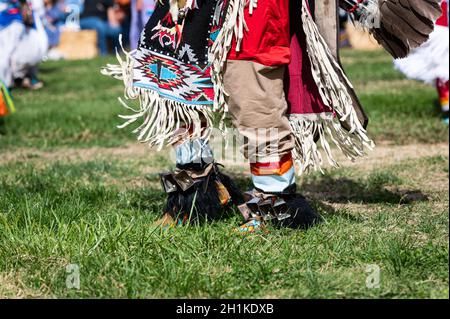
(258, 108)
(254, 81)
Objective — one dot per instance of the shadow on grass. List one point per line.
(344, 190)
(2, 126)
(49, 69)
(373, 189)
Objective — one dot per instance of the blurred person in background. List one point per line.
(55, 15)
(123, 13)
(344, 41)
(430, 62)
(40, 41)
(105, 17)
(23, 41)
(141, 11)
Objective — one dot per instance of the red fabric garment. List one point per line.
(302, 92)
(268, 40)
(443, 20)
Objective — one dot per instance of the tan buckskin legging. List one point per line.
(256, 101)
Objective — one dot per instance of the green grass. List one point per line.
(96, 210)
(78, 108)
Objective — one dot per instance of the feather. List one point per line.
(398, 25)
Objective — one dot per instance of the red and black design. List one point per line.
(188, 39)
(171, 78)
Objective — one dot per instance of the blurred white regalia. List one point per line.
(431, 60)
(23, 43)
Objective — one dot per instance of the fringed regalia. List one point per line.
(264, 63)
(177, 74)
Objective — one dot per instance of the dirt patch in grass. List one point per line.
(383, 154)
(132, 150)
(393, 154)
(11, 286)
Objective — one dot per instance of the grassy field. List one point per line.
(74, 190)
